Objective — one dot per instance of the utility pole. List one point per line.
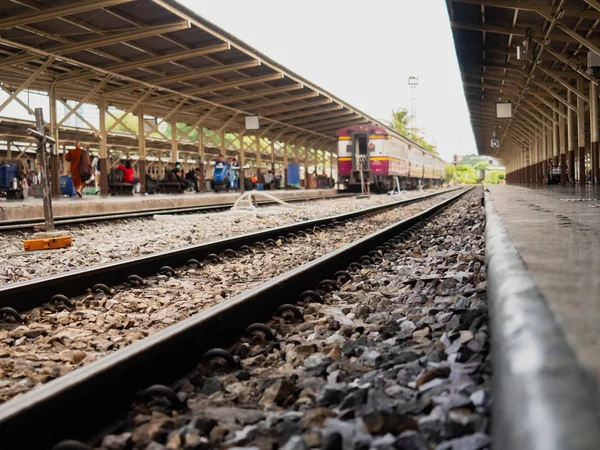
(40, 134)
(413, 82)
(50, 239)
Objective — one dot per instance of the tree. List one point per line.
(400, 124)
(481, 165)
(400, 121)
(494, 176)
(450, 173)
(466, 174)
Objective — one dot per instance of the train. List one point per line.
(383, 159)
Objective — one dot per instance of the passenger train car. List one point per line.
(382, 154)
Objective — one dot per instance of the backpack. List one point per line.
(85, 167)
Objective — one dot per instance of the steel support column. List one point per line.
(142, 149)
(555, 138)
(174, 143)
(285, 166)
(594, 131)
(258, 158)
(581, 133)
(103, 147)
(571, 139)
(562, 146)
(201, 157)
(54, 162)
(545, 148)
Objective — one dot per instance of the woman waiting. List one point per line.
(127, 172)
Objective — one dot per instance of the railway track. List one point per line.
(29, 294)
(67, 328)
(135, 366)
(61, 336)
(28, 224)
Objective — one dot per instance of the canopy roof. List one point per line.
(554, 38)
(161, 55)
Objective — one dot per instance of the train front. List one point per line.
(357, 146)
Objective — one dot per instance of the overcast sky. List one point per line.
(362, 52)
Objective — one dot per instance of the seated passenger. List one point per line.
(127, 172)
(173, 176)
(151, 184)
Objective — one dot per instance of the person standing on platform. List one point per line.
(219, 174)
(74, 158)
(192, 177)
(96, 168)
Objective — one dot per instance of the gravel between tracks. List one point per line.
(55, 340)
(117, 240)
(397, 358)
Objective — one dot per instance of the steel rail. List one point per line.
(29, 294)
(12, 225)
(92, 398)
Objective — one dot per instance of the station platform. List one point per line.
(557, 233)
(90, 205)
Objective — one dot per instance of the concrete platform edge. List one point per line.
(542, 397)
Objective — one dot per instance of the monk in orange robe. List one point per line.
(74, 157)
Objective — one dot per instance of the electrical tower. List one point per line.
(413, 82)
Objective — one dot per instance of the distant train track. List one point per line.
(27, 224)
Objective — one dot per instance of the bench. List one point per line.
(165, 187)
(116, 186)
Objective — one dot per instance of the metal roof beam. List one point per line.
(565, 84)
(593, 3)
(489, 28)
(191, 75)
(261, 93)
(308, 113)
(535, 7)
(342, 124)
(301, 106)
(97, 42)
(322, 123)
(145, 62)
(221, 86)
(258, 107)
(57, 11)
(310, 120)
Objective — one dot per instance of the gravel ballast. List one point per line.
(396, 358)
(105, 242)
(55, 339)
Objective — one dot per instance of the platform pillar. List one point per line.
(285, 166)
(103, 147)
(532, 174)
(174, 143)
(202, 181)
(544, 166)
(570, 139)
(258, 159)
(581, 132)
(594, 131)
(54, 162)
(556, 137)
(202, 187)
(142, 150)
(562, 146)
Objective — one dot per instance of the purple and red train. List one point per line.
(382, 154)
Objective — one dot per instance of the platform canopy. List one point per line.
(531, 54)
(164, 57)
